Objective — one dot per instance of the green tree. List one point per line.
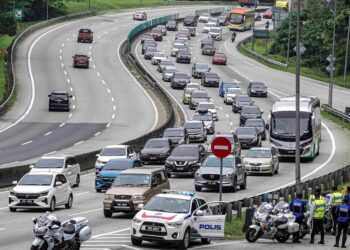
(7, 25)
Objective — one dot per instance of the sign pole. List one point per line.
(220, 188)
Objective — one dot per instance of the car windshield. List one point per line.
(166, 63)
(186, 151)
(118, 165)
(211, 75)
(258, 85)
(230, 138)
(254, 123)
(170, 70)
(189, 18)
(149, 44)
(227, 85)
(220, 56)
(258, 153)
(151, 49)
(205, 15)
(59, 94)
(222, 18)
(209, 25)
(159, 55)
(236, 91)
(173, 133)
(193, 125)
(202, 66)
(213, 162)
(215, 30)
(157, 144)
(132, 180)
(199, 95)
(181, 76)
(209, 46)
(49, 163)
(168, 204)
(192, 85)
(283, 124)
(246, 131)
(36, 180)
(184, 52)
(178, 46)
(189, 90)
(250, 110)
(236, 18)
(200, 117)
(243, 99)
(113, 152)
(209, 105)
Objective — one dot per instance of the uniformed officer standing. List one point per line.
(335, 200)
(343, 212)
(312, 196)
(298, 207)
(316, 216)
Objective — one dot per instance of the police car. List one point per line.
(176, 217)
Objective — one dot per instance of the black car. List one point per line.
(191, 20)
(259, 124)
(208, 49)
(179, 80)
(235, 145)
(192, 31)
(149, 52)
(196, 131)
(156, 150)
(205, 41)
(171, 25)
(257, 89)
(240, 101)
(175, 135)
(148, 43)
(222, 20)
(59, 100)
(249, 112)
(198, 96)
(199, 68)
(183, 56)
(210, 79)
(185, 160)
(248, 137)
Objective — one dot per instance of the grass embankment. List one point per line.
(336, 120)
(233, 230)
(5, 42)
(108, 5)
(260, 47)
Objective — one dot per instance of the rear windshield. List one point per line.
(157, 144)
(85, 31)
(118, 165)
(254, 123)
(211, 75)
(250, 110)
(173, 133)
(199, 95)
(193, 125)
(243, 99)
(185, 151)
(179, 75)
(246, 131)
(113, 152)
(49, 163)
(132, 180)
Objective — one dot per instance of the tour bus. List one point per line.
(241, 19)
(281, 123)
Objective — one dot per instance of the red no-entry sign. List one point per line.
(221, 147)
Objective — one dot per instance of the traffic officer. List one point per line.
(335, 200)
(347, 195)
(343, 212)
(312, 197)
(316, 216)
(298, 207)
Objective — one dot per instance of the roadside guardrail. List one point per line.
(343, 116)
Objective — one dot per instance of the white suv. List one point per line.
(114, 152)
(41, 190)
(62, 164)
(176, 218)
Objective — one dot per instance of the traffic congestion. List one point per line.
(143, 185)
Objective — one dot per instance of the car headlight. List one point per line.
(227, 175)
(138, 197)
(192, 162)
(175, 224)
(169, 162)
(109, 197)
(99, 162)
(136, 220)
(44, 193)
(12, 193)
(269, 163)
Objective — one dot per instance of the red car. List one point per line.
(81, 61)
(268, 13)
(157, 34)
(219, 58)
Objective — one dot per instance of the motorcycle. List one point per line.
(233, 37)
(328, 219)
(51, 234)
(278, 225)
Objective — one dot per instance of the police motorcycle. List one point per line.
(328, 219)
(51, 234)
(273, 223)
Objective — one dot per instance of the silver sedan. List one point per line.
(262, 161)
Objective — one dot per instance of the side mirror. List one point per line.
(58, 183)
(267, 126)
(14, 182)
(97, 155)
(154, 184)
(239, 165)
(31, 166)
(130, 155)
(49, 95)
(140, 206)
(261, 112)
(199, 213)
(70, 96)
(141, 147)
(69, 166)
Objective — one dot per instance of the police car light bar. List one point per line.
(168, 191)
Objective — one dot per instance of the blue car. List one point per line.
(225, 85)
(110, 171)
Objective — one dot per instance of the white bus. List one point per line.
(281, 123)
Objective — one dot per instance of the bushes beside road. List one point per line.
(5, 42)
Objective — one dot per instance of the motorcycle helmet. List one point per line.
(267, 208)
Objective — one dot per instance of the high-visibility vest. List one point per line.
(337, 198)
(312, 198)
(319, 208)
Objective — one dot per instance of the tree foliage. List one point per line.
(7, 25)
(317, 21)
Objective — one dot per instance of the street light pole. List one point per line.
(347, 51)
(297, 104)
(330, 97)
(290, 20)
(89, 5)
(47, 9)
(253, 37)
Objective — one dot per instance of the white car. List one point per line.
(157, 57)
(140, 15)
(204, 17)
(231, 94)
(175, 48)
(176, 218)
(262, 161)
(213, 21)
(215, 33)
(62, 164)
(211, 108)
(207, 27)
(41, 190)
(114, 152)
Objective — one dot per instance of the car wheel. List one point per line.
(98, 190)
(234, 185)
(77, 181)
(136, 242)
(168, 175)
(278, 166)
(107, 213)
(272, 171)
(198, 188)
(12, 209)
(70, 202)
(244, 185)
(206, 240)
(52, 205)
(185, 241)
(235, 111)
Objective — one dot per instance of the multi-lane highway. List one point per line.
(104, 114)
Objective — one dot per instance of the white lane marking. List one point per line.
(106, 32)
(231, 123)
(2, 208)
(98, 73)
(109, 124)
(73, 98)
(68, 80)
(25, 143)
(113, 116)
(50, 152)
(1, 229)
(65, 72)
(62, 44)
(70, 115)
(109, 233)
(71, 89)
(112, 98)
(48, 133)
(114, 107)
(73, 107)
(89, 53)
(96, 134)
(220, 107)
(62, 65)
(77, 143)
(77, 194)
(103, 82)
(227, 116)
(94, 66)
(90, 47)
(108, 90)
(67, 39)
(60, 51)
(61, 58)
(138, 84)
(86, 212)
(62, 124)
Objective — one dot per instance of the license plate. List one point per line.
(122, 204)
(155, 229)
(153, 158)
(27, 201)
(255, 169)
(212, 182)
(180, 168)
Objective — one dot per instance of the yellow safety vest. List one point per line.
(319, 208)
(337, 198)
(312, 198)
